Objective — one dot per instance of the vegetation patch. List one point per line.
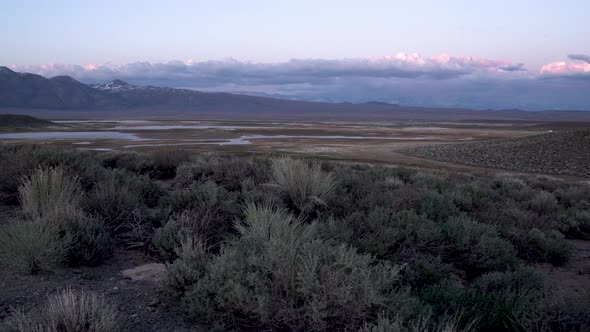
(561, 153)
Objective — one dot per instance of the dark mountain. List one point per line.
(17, 120)
(23, 90)
(20, 92)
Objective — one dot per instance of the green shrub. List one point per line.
(113, 200)
(78, 163)
(278, 275)
(497, 301)
(476, 247)
(561, 313)
(162, 164)
(51, 197)
(304, 186)
(146, 189)
(437, 207)
(67, 311)
(543, 203)
(189, 223)
(423, 270)
(384, 233)
(190, 265)
(90, 241)
(575, 221)
(30, 246)
(15, 163)
(503, 301)
(226, 171)
(48, 191)
(425, 322)
(538, 246)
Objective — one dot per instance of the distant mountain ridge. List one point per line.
(20, 92)
(17, 120)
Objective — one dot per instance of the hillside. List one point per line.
(564, 153)
(16, 120)
(23, 91)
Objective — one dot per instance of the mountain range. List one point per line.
(37, 95)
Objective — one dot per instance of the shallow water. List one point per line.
(167, 127)
(247, 139)
(101, 121)
(72, 135)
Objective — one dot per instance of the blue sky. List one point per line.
(485, 41)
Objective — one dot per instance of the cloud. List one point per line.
(409, 79)
(515, 67)
(580, 57)
(563, 69)
(204, 73)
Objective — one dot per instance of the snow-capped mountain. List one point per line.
(114, 86)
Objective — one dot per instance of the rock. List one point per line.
(154, 303)
(153, 272)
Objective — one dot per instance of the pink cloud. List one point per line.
(565, 68)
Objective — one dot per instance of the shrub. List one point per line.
(162, 164)
(437, 207)
(208, 205)
(503, 301)
(538, 246)
(575, 221)
(190, 265)
(561, 313)
(90, 241)
(47, 191)
(425, 322)
(278, 275)
(114, 202)
(148, 191)
(189, 223)
(497, 301)
(68, 311)
(226, 171)
(305, 186)
(15, 162)
(476, 247)
(51, 198)
(384, 233)
(573, 195)
(30, 246)
(423, 270)
(543, 203)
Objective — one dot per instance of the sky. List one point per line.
(454, 53)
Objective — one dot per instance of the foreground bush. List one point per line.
(50, 197)
(476, 247)
(113, 200)
(30, 246)
(47, 191)
(305, 186)
(496, 301)
(90, 240)
(67, 311)
(279, 275)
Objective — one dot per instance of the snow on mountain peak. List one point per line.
(114, 86)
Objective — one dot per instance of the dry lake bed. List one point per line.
(377, 143)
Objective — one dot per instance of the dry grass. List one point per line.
(67, 311)
(48, 190)
(305, 185)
